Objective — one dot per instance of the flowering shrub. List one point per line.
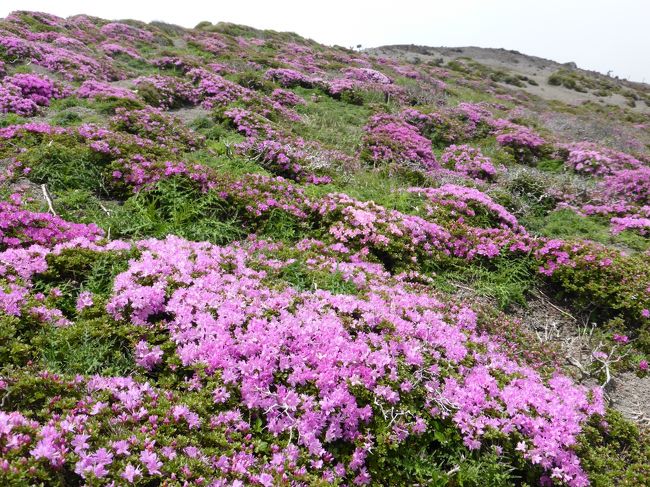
(155, 125)
(100, 90)
(367, 75)
(469, 161)
(600, 276)
(390, 139)
(630, 184)
(627, 223)
(167, 91)
(120, 31)
(24, 94)
(525, 144)
(14, 47)
(113, 49)
(214, 43)
(287, 98)
(20, 227)
(465, 122)
(289, 78)
(395, 239)
(247, 122)
(281, 159)
(589, 161)
(467, 201)
(214, 89)
(174, 63)
(337, 370)
(588, 158)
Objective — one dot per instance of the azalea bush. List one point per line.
(469, 161)
(24, 94)
(372, 399)
(589, 158)
(526, 145)
(391, 140)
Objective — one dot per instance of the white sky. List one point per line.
(596, 34)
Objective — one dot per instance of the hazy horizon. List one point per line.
(596, 35)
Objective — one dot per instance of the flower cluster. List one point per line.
(448, 126)
(174, 63)
(21, 227)
(289, 77)
(114, 49)
(469, 161)
(631, 185)
(125, 32)
(391, 139)
(368, 227)
(367, 75)
(522, 138)
(627, 223)
(468, 201)
(279, 158)
(24, 94)
(167, 91)
(310, 350)
(588, 158)
(214, 89)
(157, 126)
(286, 98)
(101, 90)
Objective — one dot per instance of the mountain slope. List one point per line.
(239, 257)
(546, 79)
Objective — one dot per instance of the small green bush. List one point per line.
(614, 451)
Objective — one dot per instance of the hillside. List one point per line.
(536, 76)
(239, 257)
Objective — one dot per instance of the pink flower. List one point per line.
(131, 473)
(150, 460)
(84, 300)
(147, 357)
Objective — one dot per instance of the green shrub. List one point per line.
(439, 458)
(608, 285)
(299, 276)
(174, 206)
(64, 165)
(89, 346)
(254, 80)
(614, 451)
(66, 118)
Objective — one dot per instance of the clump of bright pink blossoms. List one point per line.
(24, 94)
(147, 357)
(389, 139)
(469, 161)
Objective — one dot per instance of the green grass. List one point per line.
(94, 346)
(173, 207)
(335, 124)
(506, 280)
(300, 277)
(567, 224)
(64, 168)
(8, 119)
(386, 187)
(551, 165)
